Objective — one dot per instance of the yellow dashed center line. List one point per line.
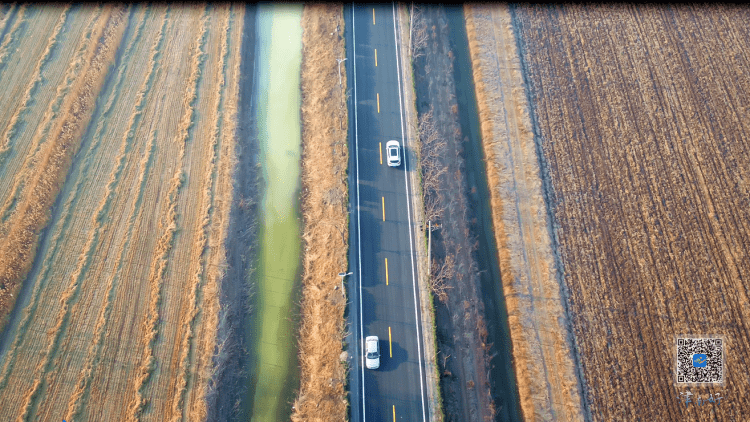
(390, 344)
(380, 148)
(394, 413)
(386, 271)
(376, 57)
(378, 95)
(373, 16)
(383, 197)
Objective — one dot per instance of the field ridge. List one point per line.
(9, 35)
(55, 165)
(76, 401)
(164, 246)
(201, 243)
(10, 129)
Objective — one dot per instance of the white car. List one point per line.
(393, 152)
(372, 352)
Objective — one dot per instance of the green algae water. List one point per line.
(275, 372)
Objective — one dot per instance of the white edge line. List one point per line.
(359, 231)
(408, 209)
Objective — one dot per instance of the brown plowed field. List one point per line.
(642, 120)
(124, 119)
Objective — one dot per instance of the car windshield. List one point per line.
(372, 355)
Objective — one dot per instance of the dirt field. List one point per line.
(117, 313)
(543, 356)
(641, 119)
(324, 206)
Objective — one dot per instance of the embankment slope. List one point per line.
(325, 155)
(542, 352)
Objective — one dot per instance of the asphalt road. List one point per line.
(383, 288)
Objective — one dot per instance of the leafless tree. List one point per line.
(419, 33)
(431, 148)
(432, 207)
(440, 275)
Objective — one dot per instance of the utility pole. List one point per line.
(341, 122)
(411, 25)
(340, 60)
(342, 275)
(429, 247)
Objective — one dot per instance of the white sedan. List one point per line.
(393, 152)
(372, 352)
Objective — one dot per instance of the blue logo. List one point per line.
(700, 360)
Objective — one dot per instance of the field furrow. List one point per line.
(21, 163)
(210, 348)
(40, 180)
(44, 188)
(10, 129)
(12, 25)
(156, 320)
(6, 13)
(77, 400)
(115, 187)
(60, 238)
(208, 130)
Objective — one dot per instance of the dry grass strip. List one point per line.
(542, 354)
(322, 396)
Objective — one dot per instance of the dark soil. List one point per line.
(477, 380)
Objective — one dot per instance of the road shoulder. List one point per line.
(425, 298)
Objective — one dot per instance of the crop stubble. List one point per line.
(642, 119)
(124, 294)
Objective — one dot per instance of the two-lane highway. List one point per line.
(384, 286)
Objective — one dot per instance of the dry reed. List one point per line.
(322, 396)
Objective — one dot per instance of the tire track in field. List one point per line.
(187, 359)
(42, 132)
(166, 242)
(78, 398)
(10, 129)
(67, 137)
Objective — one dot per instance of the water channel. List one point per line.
(274, 368)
